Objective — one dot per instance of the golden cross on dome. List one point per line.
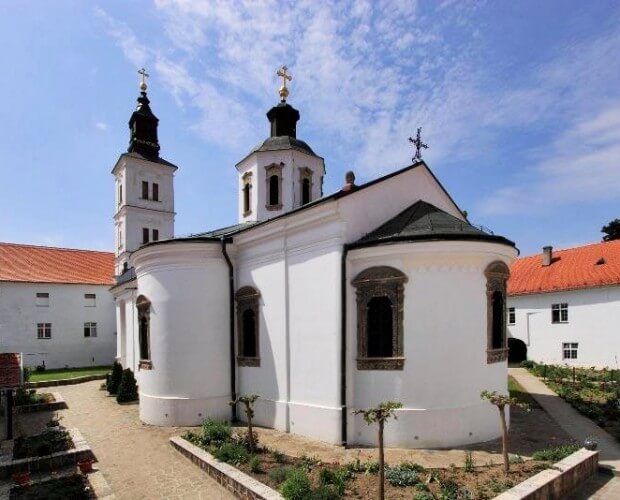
(145, 75)
(282, 72)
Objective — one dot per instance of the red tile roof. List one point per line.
(10, 369)
(570, 269)
(34, 264)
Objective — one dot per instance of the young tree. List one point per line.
(379, 415)
(501, 401)
(611, 230)
(114, 381)
(248, 403)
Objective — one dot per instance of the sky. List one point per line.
(519, 103)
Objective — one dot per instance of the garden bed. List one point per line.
(75, 487)
(47, 401)
(46, 443)
(295, 477)
(593, 393)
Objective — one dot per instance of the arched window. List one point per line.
(274, 190)
(273, 178)
(246, 198)
(497, 274)
(247, 193)
(305, 191)
(247, 326)
(144, 331)
(380, 297)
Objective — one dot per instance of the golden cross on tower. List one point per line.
(282, 72)
(145, 75)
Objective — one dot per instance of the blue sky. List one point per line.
(519, 103)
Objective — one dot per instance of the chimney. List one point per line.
(547, 256)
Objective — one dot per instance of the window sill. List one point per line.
(274, 207)
(247, 361)
(380, 363)
(497, 355)
(145, 364)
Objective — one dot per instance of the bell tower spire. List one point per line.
(143, 124)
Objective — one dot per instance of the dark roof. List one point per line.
(283, 142)
(156, 159)
(423, 221)
(126, 276)
(223, 231)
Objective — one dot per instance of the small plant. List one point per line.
(232, 453)
(279, 457)
(470, 464)
(498, 486)
(449, 490)
(280, 474)
(297, 485)
(527, 364)
(308, 463)
(412, 466)
(325, 492)
(420, 487)
(255, 465)
(401, 477)
(555, 454)
(27, 372)
(336, 479)
(215, 432)
(115, 378)
(517, 459)
(379, 415)
(423, 495)
(128, 388)
(248, 403)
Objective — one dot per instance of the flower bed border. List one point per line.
(58, 404)
(231, 478)
(81, 451)
(558, 482)
(98, 483)
(64, 381)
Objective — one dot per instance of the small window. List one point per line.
(246, 198)
(155, 234)
(512, 316)
(145, 235)
(155, 192)
(274, 190)
(145, 190)
(90, 329)
(90, 300)
(559, 313)
(380, 331)
(43, 300)
(305, 191)
(120, 193)
(497, 274)
(144, 319)
(44, 330)
(247, 326)
(569, 350)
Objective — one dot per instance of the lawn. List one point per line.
(64, 373)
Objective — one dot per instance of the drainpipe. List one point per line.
(343, 343)
(231, 306)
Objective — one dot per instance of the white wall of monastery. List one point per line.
(593, 322)
(67, 313)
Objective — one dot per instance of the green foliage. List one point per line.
(27, 373)
(527, 364)
(470, 464)
(420, 487)
(401, 477)
(115, 378)
(611, 230)
(216, 432)
(501, 400)
(297, 485)
(498, 486)
(243, 438)
(412, 466)
(25, 396)
(248, 402)
(337, 479)
(308, 463)
(381, 413)
(255, 465)
(324, 492)
(280, 474)
(128, 388)
(279, 457)
(449, 490)
(517, 459)
(193, 438)
(555, 454)
(232, 453)
(370, 467)
(50, 441)
(423, 495)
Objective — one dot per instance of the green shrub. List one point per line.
(297, 485)
(369, 467)
(193, 438)
(279, 475)
(420, 487)
(128, 388)
(279, 457)
(308, 462)
(335, 478)
(527, 364)
(216, 432)
(555, 454)
(115, 378)
(255, 465)
(243, 438)
(449, 490)
(401, 477)
(232, 453)
(324, 492)
(470, 464)
(423, 495)
(412, 466)
(27, 373)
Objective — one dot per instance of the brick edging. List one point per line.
(558, 481)
(64, 381)
(58, 404)
(231, 478)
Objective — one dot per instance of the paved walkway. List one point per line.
(604, 486)
(136, 459)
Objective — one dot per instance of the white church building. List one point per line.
(320, 304)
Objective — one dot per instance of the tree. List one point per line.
(501, 401)
(128, 388)
(248, 403)
(379, 415)
(611, 230)
(115, 378)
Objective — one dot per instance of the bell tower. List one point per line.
(144, 186)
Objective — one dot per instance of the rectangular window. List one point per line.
(43, 299)
(120, 193)
(512, 316)
(90, 329)
(155, 192)
(145, 235)
(155, 234)
(569, 350)
(90, 300)
(559, 313)
(44, 330)
(145, 190)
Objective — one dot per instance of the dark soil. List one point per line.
(50, 441)
(75, 487)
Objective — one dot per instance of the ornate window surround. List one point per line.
(247, 183)
(143, 305)
(247, 298)
(380, 281)
(274, 169)
(305, 173)
(497, 274)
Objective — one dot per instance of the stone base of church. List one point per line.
(170, 411)
(441, 428)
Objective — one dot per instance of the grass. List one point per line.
(65, 373)
(517, 391)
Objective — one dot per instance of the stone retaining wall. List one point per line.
(65, 381)
(556, 483)
(58, 404)
(231, 478)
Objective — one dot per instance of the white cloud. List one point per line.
(125, 38)
(101, 126)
